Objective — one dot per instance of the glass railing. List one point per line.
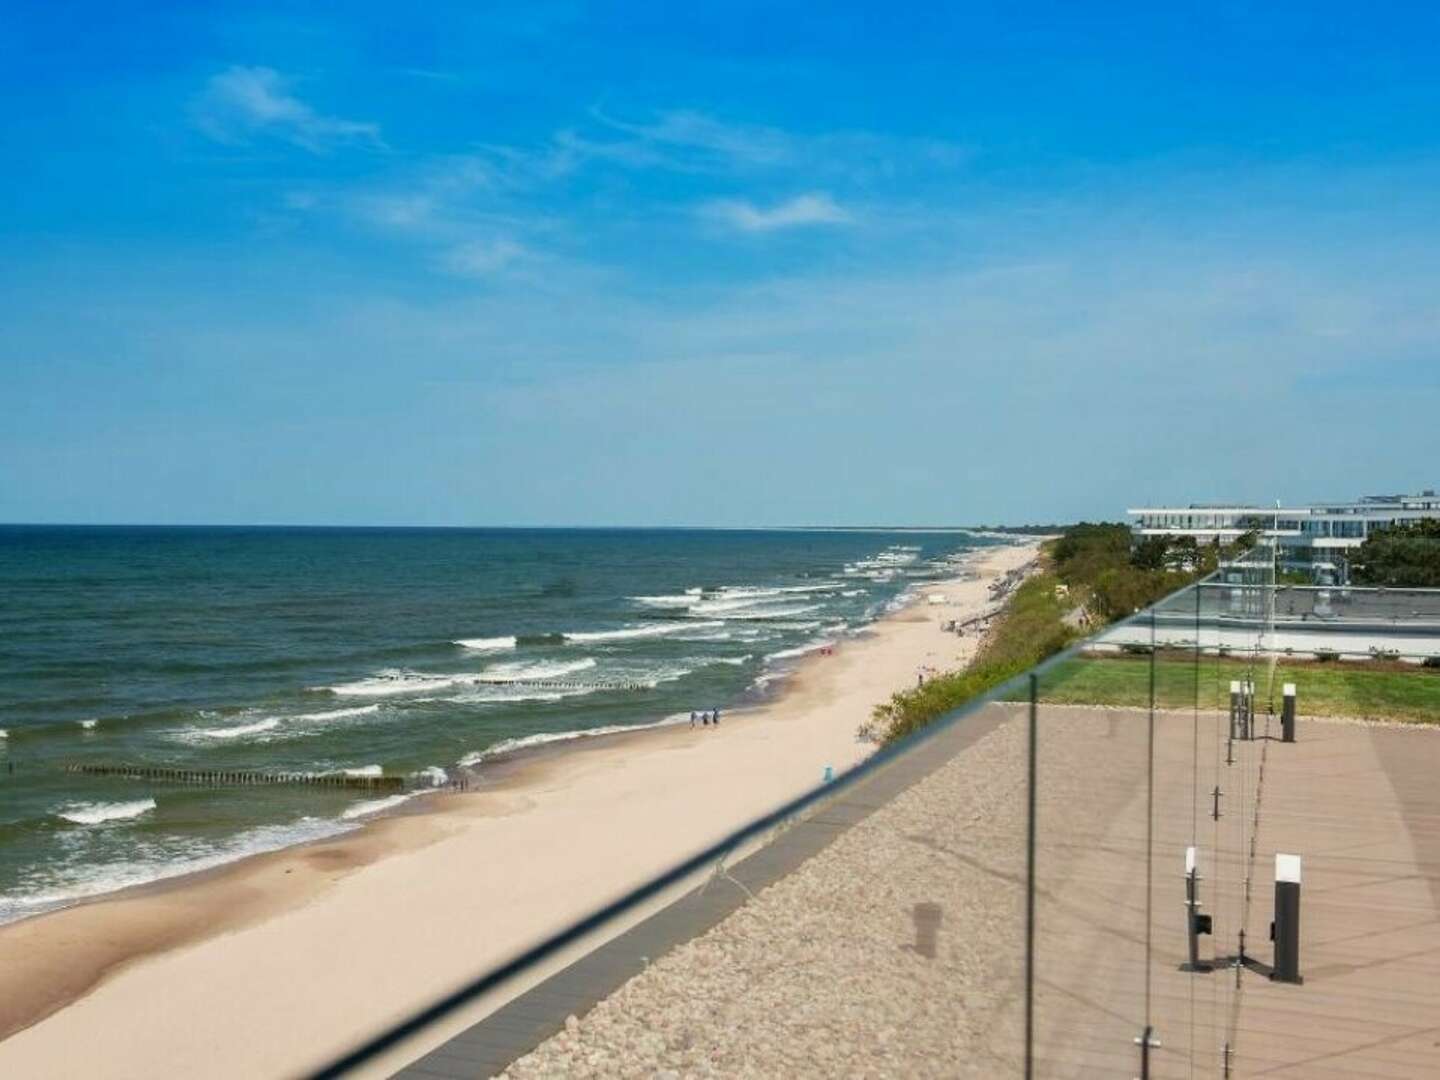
(1069, 875)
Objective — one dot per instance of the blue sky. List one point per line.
(752, 264)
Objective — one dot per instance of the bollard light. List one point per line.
(1287, 716)
(1195, 923)
(1285, 930)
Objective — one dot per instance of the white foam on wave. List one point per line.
(727, 604)
(393, 682)
(89, 725)
(509, 746)
(84, 879)
(779, 590)
(632, 632)
(487, 644)
(801, 650)
(536, 670)
(335, 714)
(667, 600)
(433, 775)
(260, 726)
(775, 613)
(730, 631)
(364, 770)
(500, 695)
(268, 728)
(97, 813)
(374, 806)
(4, 734)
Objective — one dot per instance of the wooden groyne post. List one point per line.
(236, 777)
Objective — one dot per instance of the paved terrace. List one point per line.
(885, 936)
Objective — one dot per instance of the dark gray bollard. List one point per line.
(1285, 930)
(1287, 716)
(1196, 924)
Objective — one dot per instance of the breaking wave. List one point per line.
(487, 644)
(374, 806)
(629, 633)
(535, 670)
(509, 746)
(801, 650)
(96, 813)
(268, 724)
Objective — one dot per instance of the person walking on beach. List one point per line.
(715, 716)
(692, 717)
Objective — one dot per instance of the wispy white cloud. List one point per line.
(702, 135)
(483, 258)
(814, 208)
(242, 103)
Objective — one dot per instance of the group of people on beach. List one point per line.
(706, 718)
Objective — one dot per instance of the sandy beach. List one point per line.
(272, 965)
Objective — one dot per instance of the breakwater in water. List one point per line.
(237, 777)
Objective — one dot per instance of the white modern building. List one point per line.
(1317, 538)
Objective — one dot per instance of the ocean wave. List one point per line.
(392, 683)
(666, 600)
(97, 813)
(4, 734)
(759, 591)
(487, 644)
(433, 775)
(335, 714)
(801, 650)
(497, 695)
(727, 631)
(553, 687)
(268, 724)
(85, 880)
(724, 605)
(362, 771)
(540, 639)
(777, 613)
(89, 725)
(526, 671)
(374, 806)
(632, 632)
(732, 661)
(509, 746)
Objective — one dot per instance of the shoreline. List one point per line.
(315, 910)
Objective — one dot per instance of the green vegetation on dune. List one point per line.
(1370, 691)
(1028, 630)
(1103, 580)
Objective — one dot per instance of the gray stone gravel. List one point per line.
(895, 952)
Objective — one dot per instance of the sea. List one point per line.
(422, 654)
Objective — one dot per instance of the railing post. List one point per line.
(1030, 885)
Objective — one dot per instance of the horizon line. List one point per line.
(517, 528)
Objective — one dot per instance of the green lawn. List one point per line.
(1334, 689)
